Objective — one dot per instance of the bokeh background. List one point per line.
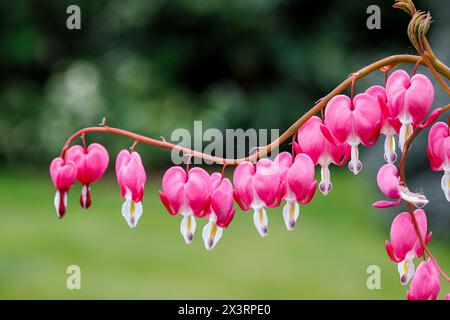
(152, 66)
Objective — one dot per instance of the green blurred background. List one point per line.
(154, 66)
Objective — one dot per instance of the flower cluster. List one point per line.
(87, 165)
(349, 122)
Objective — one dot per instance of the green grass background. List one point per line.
(325, 257)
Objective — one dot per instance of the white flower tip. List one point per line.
(132, 212)
(261, 222)
(291, 212)
(417, 199)
(211, 235)
(406, 271)
(187, 228)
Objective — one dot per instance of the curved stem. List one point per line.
(401, 170)
(391, 61)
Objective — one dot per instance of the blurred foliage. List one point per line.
(152, 66)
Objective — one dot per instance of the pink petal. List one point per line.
(437, 137)
(300, 177)
(338, 117)
(243, 182)
(196, 191)
(266, 181)
(366, 118)
(388, 181)
(396, 86)
(173, 187)
(222, 203)
(63, 173)
(426, 283)
(91, 163)
(419, 97)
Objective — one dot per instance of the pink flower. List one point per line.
(63, 174)
(221, 210)
(405, 245)
(258, 187)
(426, 283)
(310, 140)
(187, 193)
(409, 99)
(439, 153)
(391, 125)
(131, 177)
(91, 165)
(353, 121)
(447, 296)
(389, 184)
(298, 176)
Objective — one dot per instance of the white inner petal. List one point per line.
(325, 183)
(406, 270)
(355, 165)
(187, 227)
(132, 212)
(84, 191)
(56, 201)
(445, 185)
(405, 132)
(417, 199)
(389, 149)
(260, 220)
(291, 212)
(211, 234)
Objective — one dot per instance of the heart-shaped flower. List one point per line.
(91, 163)
(410, 99)
(311, 141)
(188, 193)
(354, 122)
(132, 178)
(63, 174)
(439, 153)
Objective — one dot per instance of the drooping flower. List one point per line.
(439, 153)
(426, 283)
(91, 163)
(409, 99)
(391, 125)
(221, 210)
(188, 193)
(389, 183)
(258, 187)
(63, 174)
(298, 176)
(405, 245)
(132, 178)
(310, 140)
(354, 122)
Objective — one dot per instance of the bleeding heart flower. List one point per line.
(426, 283)
(439, 153)
(131, 177)
(221, 209)
(298, 176)
(63, 174)
(91, 163)
(447, 296)
(405, 245)
(258, 187)
(389, 184)
(391, 125)
(353, 121)
(310, 140)
(409, 99)
(188, 193)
